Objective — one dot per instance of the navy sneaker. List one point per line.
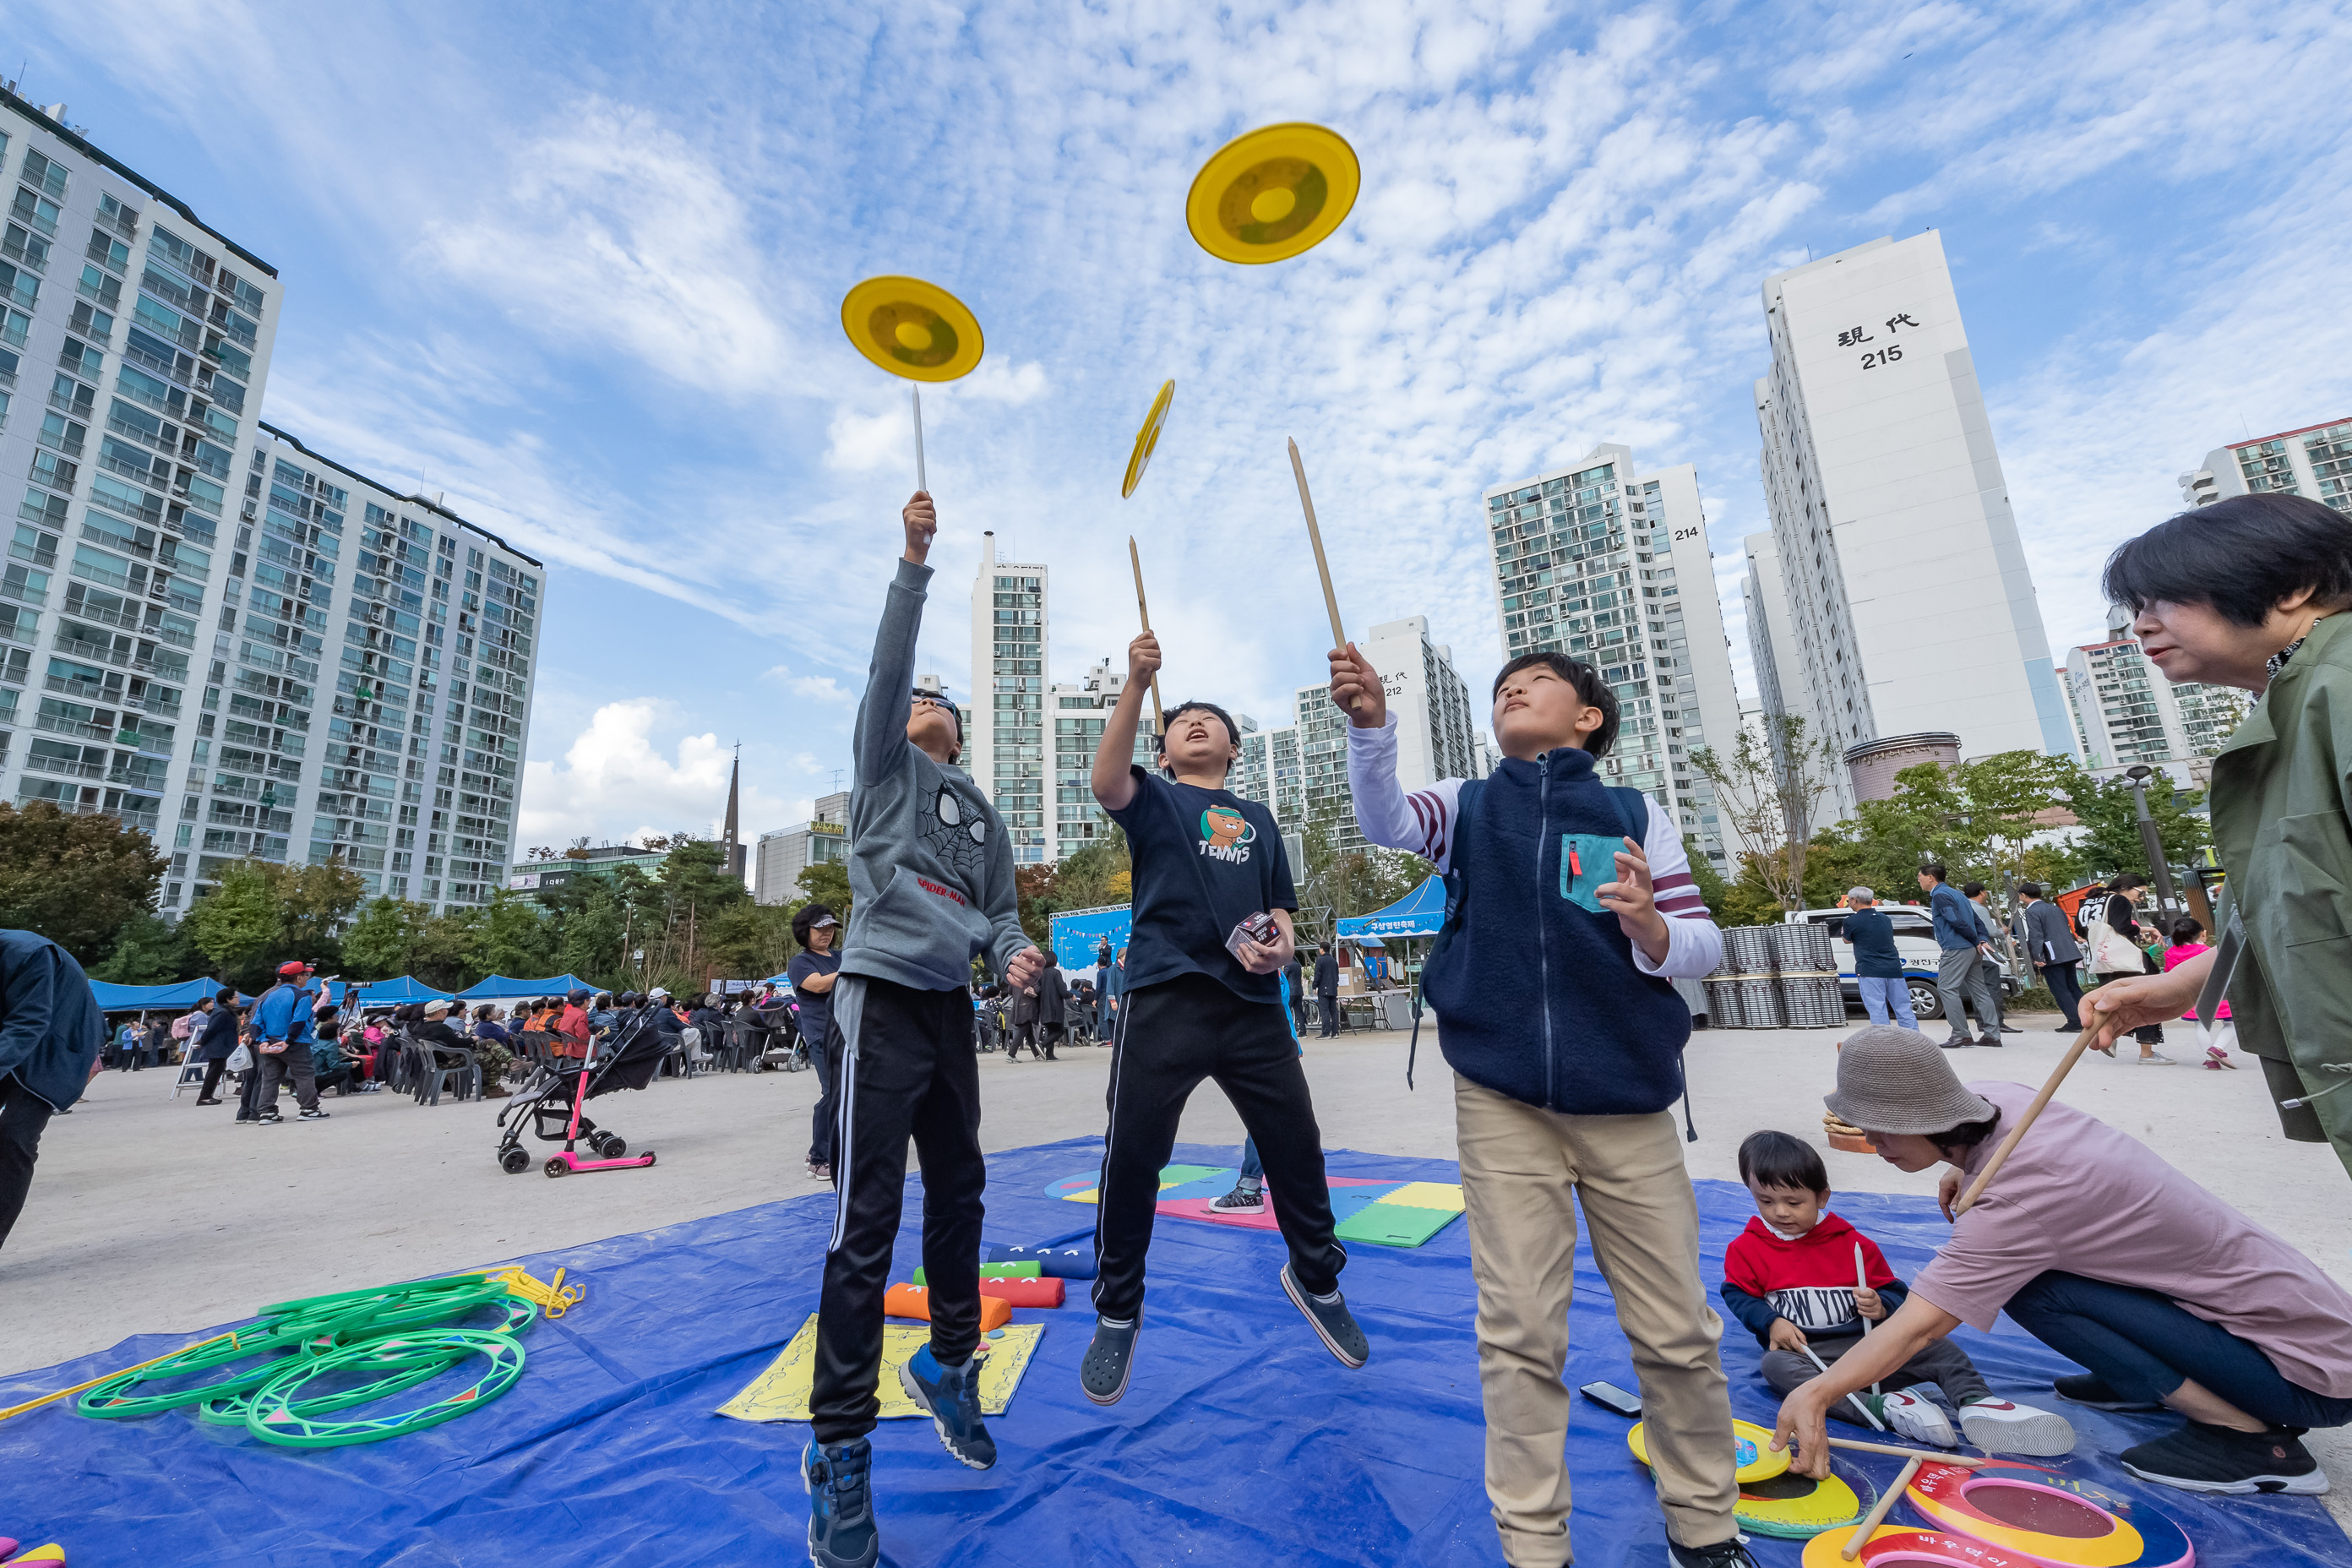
(2202, 1458)
(841, 1504)
(1731, 1554)
(1334, 1324)
(951, 1395)
(1111, 1360)
(1249, 1199)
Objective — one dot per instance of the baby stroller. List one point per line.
(552, 1101)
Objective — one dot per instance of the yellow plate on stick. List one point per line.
(1273, 193)
(1751, 1446)
(911, 328)
(1146, 438)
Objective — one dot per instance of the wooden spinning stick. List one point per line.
(1159, 726)
(1853, 1544)
(2008, 1144)
(1315, 537)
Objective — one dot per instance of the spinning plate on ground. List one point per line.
(1752, 1444)
(911, 328)
(1273, 193)
(1146, 438)
(1795, 1506)
(1902, 1546)
(2047, 1518)
(781, 1393)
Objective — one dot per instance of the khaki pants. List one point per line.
(1524, 1172)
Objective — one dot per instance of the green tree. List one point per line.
(1769, 786)
(1335, 883)
(149, 950)
(514, 938)
(826, 882)
(262, 912)
(75, 879)
(384, 939)
(2111, 841)
(443, 945)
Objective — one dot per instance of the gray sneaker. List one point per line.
(2156, 1060)
(1334, 1324)
(1111, 1360)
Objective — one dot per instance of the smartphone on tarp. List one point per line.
(1608, 1397)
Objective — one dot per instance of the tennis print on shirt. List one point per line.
(957, 832)
(1588, 862)
(1226, 835)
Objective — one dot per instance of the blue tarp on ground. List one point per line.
(112, 998)
(1419, 913)
(1240, 1441)
(497, 988)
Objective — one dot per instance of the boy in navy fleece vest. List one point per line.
(1570, 907)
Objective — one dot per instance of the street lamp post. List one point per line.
(2140, 773)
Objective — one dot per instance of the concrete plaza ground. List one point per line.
(150, 1214)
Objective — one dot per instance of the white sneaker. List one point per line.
(2004, 1427)
(1920, 1419)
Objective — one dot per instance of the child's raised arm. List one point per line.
(1114, 776)
(878, 743)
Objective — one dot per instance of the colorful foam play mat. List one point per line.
(1241, 1439)
(781, 1393)
(1396, 1212)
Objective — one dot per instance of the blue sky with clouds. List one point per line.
(580, 269)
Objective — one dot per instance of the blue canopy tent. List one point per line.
(112, 998)
(498, 988)
(1421, 912)
(393, 993)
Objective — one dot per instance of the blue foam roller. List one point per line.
(1070, 1263)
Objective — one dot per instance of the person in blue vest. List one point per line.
(1571, 908)
(283, 1030)
(50, 1035)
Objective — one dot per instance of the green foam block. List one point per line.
(1392, 1225)
(1000, 1271)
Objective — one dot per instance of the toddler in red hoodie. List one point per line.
(1791, 1278)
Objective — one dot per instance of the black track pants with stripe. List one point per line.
(907, 1070)
(1171, 1035)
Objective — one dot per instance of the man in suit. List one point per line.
(2049, 944)
(1327, 990)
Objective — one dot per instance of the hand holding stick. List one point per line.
(1159, 726)
(2008, 1145)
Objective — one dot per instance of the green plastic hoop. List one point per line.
(274, 1416)
(114, 1401)
(408, 1371)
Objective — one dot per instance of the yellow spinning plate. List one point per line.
(1273, 193)
(1146, 438)
(1750, 1443)
(911, 328)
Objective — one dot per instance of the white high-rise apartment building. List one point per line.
(2315, 462)
(2128, 713)
(425, 629)
(1005, 745)
(1079, 710)
(1611, 566)
(1909, 601)
(781, 855)
(1437, 733)
(133, 344)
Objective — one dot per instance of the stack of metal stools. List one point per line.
(1743, 994)
(1809, 995)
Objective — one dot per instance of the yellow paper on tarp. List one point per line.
(1426, 1195)
(781, 1392)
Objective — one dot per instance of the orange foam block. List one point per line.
(915, 1301)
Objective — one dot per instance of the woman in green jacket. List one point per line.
(2246, 592)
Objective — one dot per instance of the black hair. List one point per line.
(2127, 881)
(225, 995)
(1967, 1135)
(2187, 930)
(806, 916)
(1168, 723)
(2241, 557)
(1971, 890)
(1591, 690)
(1052, 959)
(2029, 889)
(1778, 1160)
(1934, 868)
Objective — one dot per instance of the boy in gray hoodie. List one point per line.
(931, 871)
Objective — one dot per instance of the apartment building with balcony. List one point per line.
(2315, 462)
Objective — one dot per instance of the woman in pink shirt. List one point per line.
(2188, 943)
(2094, 1245)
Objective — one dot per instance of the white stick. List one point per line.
(1862, 1282)
(1875, 1425)
(922, 480)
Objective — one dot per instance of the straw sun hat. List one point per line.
(1898, 1080)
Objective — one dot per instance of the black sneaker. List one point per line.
(1109, 1361)
(2201, 1459)
(839, 1481)
(314, 1114)
(1955, 1043)
(951, 1396)
(2095, 1393)
(1731, 1554)
(1334, 1324)
(268, 1119)
(1251, 1200)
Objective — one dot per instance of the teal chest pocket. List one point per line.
(1588, 862)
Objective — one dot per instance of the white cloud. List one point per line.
(816, 687)
(615, 781)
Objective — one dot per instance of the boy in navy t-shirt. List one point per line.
(1212, 907)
